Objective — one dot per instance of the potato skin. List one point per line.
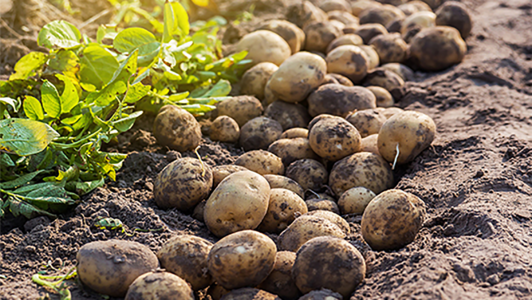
(369, 144)
(242, 259)
(322, 204)
(341, 79)
(262, 162)
(455, 14)
(369, 31)
(259, 133)
(304, 229)
(293, 35)
(384, 98)
(380, 15)
(177, 128)
(345, 40)
(220, 172)
(355, 200)
(254, 80)
(373, 56)
(367, 122)
(333, 217)
(334, 138)
(335, 5)
(339, 100)
(385, 79)
(403, 71)
(264, 46)
(390, 47)
(360, 5)
(303, 13)
(159, 285)
(182, 184)
(239, 202)
(343, 16)
(283, 208)
(225, 129)
(289, 115)
(118, 262)
(392, 220)
(348, 60)
(249, 294)
(290, 150)
(240, 108)
(282, 182)
(309, 173)
(319, 35)
(293, 133)
(280, 281)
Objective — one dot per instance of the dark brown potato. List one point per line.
(455, 14)
(262, 162)
(340, 100)
(280, 281)
(334, 138)
(283, 182)
(293, 133)
(322, 204)
(385, 79)
(309, 173)
(369, 31)
(380, 15)
(177, 128)
(390, 47)
(395, 26)
(384, 98)
(293, 35)
(303, 13)
(341, 79)
(335, 5)
(323, 294)
(348, 60)
(220, 172)
(217, 291)
(225, 129)
(283, 208)
(333, 217)
(249, 294)
(403, 71)
(290, 150)
(159, 285)
(240, 108)
(433, 3)
(306, 228)
(254, 80)
(319, 35)
(345, 17)
(367, 122)
(345, 40)
(289, 115)
(259, 133)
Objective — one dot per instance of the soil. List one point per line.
(476, 180)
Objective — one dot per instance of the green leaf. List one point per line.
(85, 187)
(65, 61)
(136, 92)
(85, 121)
(221, 89)
(197, 109)
(97, 66)
(22, 180)
(24, 190)
(60, 34)
(105, 32)
(26, 209)
(109, 93)
(178, 97)
(6, 161)
(133, 38)
(25, 137)
(70, 96)
(126, 123)
(175, 21)
(33, 108)
(10, 101)
(28, 65)
(71, 120)
(50, 99)
(126, 69)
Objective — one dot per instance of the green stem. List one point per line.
(61, 146)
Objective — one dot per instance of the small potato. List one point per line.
(334, 138)
(283, 208)
(242, 259)
(360, 5)
(322, 204)
(289, 115)
(118, 262)
(343, 16)
(422, 19)
(367, 122)
(385, 79)
(330, 80)
(408, 133)
(159, 285)
(293, 35)
(239, 202)
(249, 294)
(369, 144)
(455, 14)
(293, 133)
(282, 182)
(322, 294)
(361, 169)
(331, 263)
(304, 229)
(345, 40)
(369, 31)
(177, 128)
(390, 47)
(333, 217)
(262, 162)
(380, 15)
(280, 281)
(384, 98)
(240, 108)
(199, 210)
(254, 80)
(319, 35)
(355, 200)
(220, 172)
(433, 3)
(186, 257)
(264, 46)
(373, 56)
(339, 100)
(341, 79)
(403, 71)
(225, 129)
(290, 150)
(303, 13)
(182, 184)
(419, 5)
(309, 173)
(350, 61)
(350, 28)
(335, 5)
(392, 220)
(259, 133)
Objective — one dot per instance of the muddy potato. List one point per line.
(322, 204)
(159, 285)
(392, 220)
(290, 150)
(385, 79)
(361, 169)
(342, 16)
(409, 132)
(334, 138)
(369, 31)
(309, 173)
(280, 281)
(355, 200)
(455, 14)
(380, 15)
(254, 80)
(289, 115)
(269, 97)
(390, 47)
(422, 19)
(339, 25)
(344, 40)
(335, 5)
(239, 202)
(303, 13)
(304, 229)
(367, 122)
(360, 5)
(259, 133)
(319, 118)
(408, 9)
(293, 133)
(240, 108)
(264, 46)
(298, 76)
(388, 112)
(420, 5)
(177, 128)
(373, 56)
(384, 98)
(182, 184)
(262, 162)
(249, 294)
(216, 291)
(283, 182)
(109, 267)
(369, 144)
(293, 35)
(437, 48)
(395, 26)
(319, 35)
(403, 71)
(186, 257)
(323, 294)
(225, 129)
(341, 79)
(433, 3)
(283, 208)
(333, 217)
(340, 100)
(350, 28)
(220, 172)
(348, 60)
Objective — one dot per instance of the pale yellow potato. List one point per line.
(383, 97)
(322, 204)
(405, 72)
(225, 129)
(283, 182)
(344, 40)
(333, 217)
(335, 5)
(360, 5)
(355, 200)
(369, 31)
(240, 108)
(350, 61)
(283, 208)
(391, 111)
(159, 285)
(369, 144)
(254, 81)
(293, 133)
(177, 128)
(220, 172)
(334, 138)
(306, 228)
(390, 47)
(264, 46)
(343, 16)
(385, 79)
(290, 150)
(373, 56)
(293, 35)
(262, 162)
(421, 19)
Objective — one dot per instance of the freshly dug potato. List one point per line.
(254, 80)
(455, 14)
(264, 46)
(384, 98)
(217, 291)
(391, 111)
(290, 150)
(333, 217)
(304, 229)
(289, 115)
(392, 220)
(409, 132)
(350, 61)
(239, 202)
(293, 133)
(319, 118)
(259, 133)
(350, 28)
(355, 200)
(186, 257)
(338, 25)
(323, 294)
(249, 294)
(367, 122)
(303, 13)
(373, 56)
(118, 262)
(339, 100)
(422, 19)
(335, 5)
(319, 35)
(225, 129)
(361, 169)
(380, 15)
(262, 162)
(334, 138)
(369, 144)
(330, 80)
(220, 172)
(322, 204)
(269, 97)
(331, 263)
(242, 259)
(283, 209)
(282, 182)
(177, 128)
(395, 26)
(293, 35)
(419, 5)
(298, 76)
(343, 16)
(198, 211)
(433, 3)
(309, 173)
(345, 40)
(390, 47)
(403, 71)
(341, 79)
(408, 9)
(280, 281)
(159, 285)
(360, 5)
(240, 108)
(385, 79)
(182, 184)
(369, 31)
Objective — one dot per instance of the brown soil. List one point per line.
(476, 179)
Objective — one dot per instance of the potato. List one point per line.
(323, 294)
(303, 13)
(293, 35)
(344, 40)
(182, 184)
(388, 112)
(392, 220)
(390, 47)
(239, 202)
(259, 133)
(159, 285)
(422, 19)
(293, 133)
(369, 144)
(385, 79)
(333, 217)
(298, 76)
(380, 15)
(350, 61)
(395, 26)
(269, 97)
(282, 182)
(409, 132)
(329, 80)
(109, 267)
(264, 46)
(216, 291)
(304, 229)
(319, 35)
(420, 5)
(283, 208)
(220, 172)
(290, 150)
(355, 200)
(242, 259)
(262, 162)
(361, 169)
(225, 129)
(254, 81)
(360, 5)
(240, 108)
(408, 9)
(280, 280)
(343, 16)
(339, 100)
(335, 5)
(186, 257)
(289, 115)
(334, 138)
(309, 173)
(198, 211)
(369, 31)
(350, 28)
(177, 128)
(455, 14)
(433, 3)
(339, 25)
(384, 98)
(367, 122)
(373, 56)
(341, 79)
(331, 263)
(403, 71)
(322, 204)
(249, 294)
(319, 118)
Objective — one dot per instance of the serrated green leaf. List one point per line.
(33, 108)
(51, 101)
(59, 34)
(28, 65)
(97, 66)
(130, 39)
(70, 96)
(25, 137)
(22, 180)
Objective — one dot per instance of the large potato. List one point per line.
(159, 285)
(350, 61)
(334, 138)
(182, 184)
(294, 133)
(319, 35)
(289, 115)
(282, 182)
(455, 14)
(225, 129)
(355, 200)
(380, 15)
(333, 217)
(303, 13)
(367, 122)
(264, 46)
(392, 220)
(293, 35)
(345, 40)
(403, 71)
(340, 100)
(383, 97)
(220, 172)
(280, 281)
(242, 259)
(254, 81)
(306, 228)
(177, 128)
(109, 267)
(390, 47)
(240, 108)
(437, 48)
(249, 294)
(283, 208)
(239, 202)
(262, 162)
(309, 173)
(290, 150)
(259, 133)
(369, 31)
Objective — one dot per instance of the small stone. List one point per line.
(448, 230)
(493, 279)
(30, 249)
